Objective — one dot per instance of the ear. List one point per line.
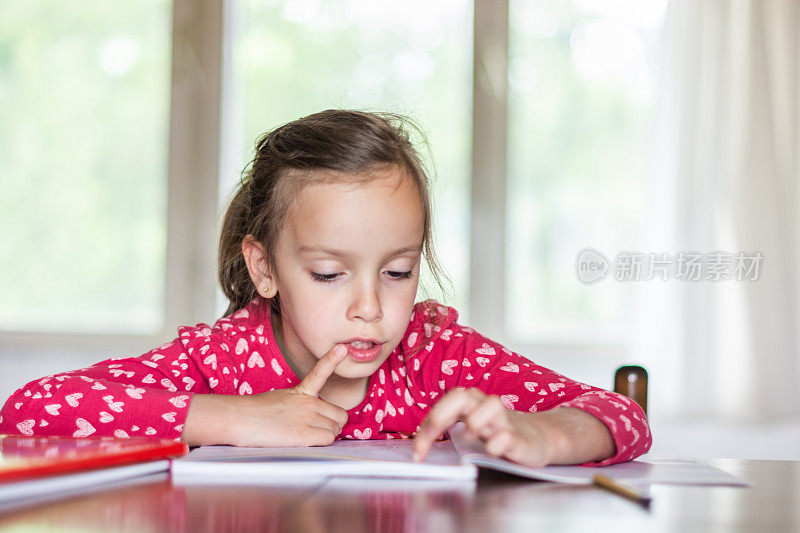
(258, 267)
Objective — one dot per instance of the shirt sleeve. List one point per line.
(468, 359)
(148, 395)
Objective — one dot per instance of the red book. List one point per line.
(24, 458)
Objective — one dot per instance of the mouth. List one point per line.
(361, 343)
(363, 350)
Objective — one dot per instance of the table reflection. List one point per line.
(495, 503)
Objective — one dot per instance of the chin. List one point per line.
(357, 370)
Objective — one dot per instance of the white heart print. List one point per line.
(72, 399)
(412, 339)
(510, 367)
(84, 428)
(26, 427)
(179, 401)
(365, 435)
(448, 365)
(255, 360)
(241, 346)
(508, 400)
(485, 349)
(135, 393)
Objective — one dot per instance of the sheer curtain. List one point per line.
(727, 179)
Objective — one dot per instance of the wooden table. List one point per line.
(495, 503)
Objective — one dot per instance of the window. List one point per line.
(582, 89)
(84, 156)
(83, 161)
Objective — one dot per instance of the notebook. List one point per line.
(456, 459)
(35, 467)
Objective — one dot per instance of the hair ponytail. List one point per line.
(234, 277)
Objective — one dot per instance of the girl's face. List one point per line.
(347, 268)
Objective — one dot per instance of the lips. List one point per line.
(363, 350)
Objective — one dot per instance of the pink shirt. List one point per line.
(150, 394)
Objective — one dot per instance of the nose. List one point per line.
(366, 303)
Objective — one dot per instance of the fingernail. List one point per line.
(340, 349)
(415, 457)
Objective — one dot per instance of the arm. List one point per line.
(563, 435)
(577, 436)
(503, 379)
(124, 397)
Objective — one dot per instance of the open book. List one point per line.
(458, 458)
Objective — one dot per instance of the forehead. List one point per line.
(379, 213)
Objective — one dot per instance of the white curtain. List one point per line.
(728, 179)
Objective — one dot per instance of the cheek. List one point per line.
(312, 317)
(398, 312)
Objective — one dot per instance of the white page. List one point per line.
(456, 459)
(346, 458)
(642, 471)
(392, 450)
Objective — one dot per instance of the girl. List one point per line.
(320, 256)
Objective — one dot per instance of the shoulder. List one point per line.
(248, 322)
(431, 323)
(433, 311)
(430, 317)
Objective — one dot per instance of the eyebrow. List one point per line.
(343, 253)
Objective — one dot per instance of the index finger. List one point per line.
(317, 376)
(454, 406)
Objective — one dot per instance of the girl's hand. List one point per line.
(512, 435)
(286, 417)
(296, 416)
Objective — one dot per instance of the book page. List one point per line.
(642, 471)
(442, 452)
(345, 458)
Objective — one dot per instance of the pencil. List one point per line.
(610, 485)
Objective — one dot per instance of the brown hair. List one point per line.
(348, 142)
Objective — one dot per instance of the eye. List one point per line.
(325, 278)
